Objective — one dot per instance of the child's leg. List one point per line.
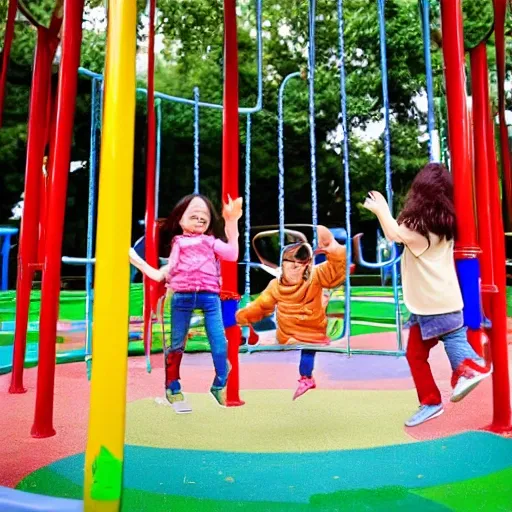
(417, 354)
(210, 304)
(458, 348)
(429, 396)
(468, 367)
(306, 381)
(182, 305)
(307, 362)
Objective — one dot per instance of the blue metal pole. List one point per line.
(312, 135)
(7, 232)
(6, 245)
(346, 169)
(196, 140)
(247, 235)
(425, 21)
(280, 145)
(387, 156)
(89, 268)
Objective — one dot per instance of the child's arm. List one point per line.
(332, 272)
(232, 212)
(148, 270)
(377, 204)
(228, 251)
(263, 306)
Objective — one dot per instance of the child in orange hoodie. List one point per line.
(298, 296)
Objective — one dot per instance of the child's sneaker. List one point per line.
(219, 394)
(469, 376)
(305, 384)
(178, 402)
(425, 413)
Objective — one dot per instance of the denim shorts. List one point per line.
(435, 326)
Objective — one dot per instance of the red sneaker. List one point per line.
(305, 384)
(466, 378)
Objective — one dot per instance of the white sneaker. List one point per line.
(425, 413)
(466, 383)
(178, 402)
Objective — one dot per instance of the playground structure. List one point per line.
(481, 247)
(6, 233)
(88, 261)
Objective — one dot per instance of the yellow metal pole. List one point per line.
(105, 444)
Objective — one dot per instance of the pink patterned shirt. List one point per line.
(194, 263)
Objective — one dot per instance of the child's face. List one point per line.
(293, 271)
(196, 218)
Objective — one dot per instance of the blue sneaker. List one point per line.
(425, 413)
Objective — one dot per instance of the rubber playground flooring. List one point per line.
(341, 447)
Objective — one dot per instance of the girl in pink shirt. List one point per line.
(193, 274)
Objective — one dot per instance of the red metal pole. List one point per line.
(59, 158)
(8, 37)
(458, 127)
(230, 156)
(45, 176)
(480, 94)
(499, 349)
(150, 242)
(500, 11)
(43, 200)
(480, 90)
(27, 254)
(467, 251)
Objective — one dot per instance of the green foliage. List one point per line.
(197, 58)
(478, 21)
(41, 10)
(192, 36)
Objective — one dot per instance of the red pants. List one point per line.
(172, 367)
(417, 354)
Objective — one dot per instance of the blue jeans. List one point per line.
(457, 347)
(449, 329)
(182, 306)
(307, 362)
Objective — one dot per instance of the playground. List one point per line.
(88, 421)
(350, 453)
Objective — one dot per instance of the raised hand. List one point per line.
(375, 202)
(232, 210)
(325, 239)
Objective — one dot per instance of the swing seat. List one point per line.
(336, 325)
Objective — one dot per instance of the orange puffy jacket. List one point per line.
(301, 316)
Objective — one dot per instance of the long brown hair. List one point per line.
(170, 227)
(429, 204)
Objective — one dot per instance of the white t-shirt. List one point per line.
(429, 279)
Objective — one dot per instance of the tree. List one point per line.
(192, 34)
(194, 55)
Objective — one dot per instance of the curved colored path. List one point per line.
(402, 476)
